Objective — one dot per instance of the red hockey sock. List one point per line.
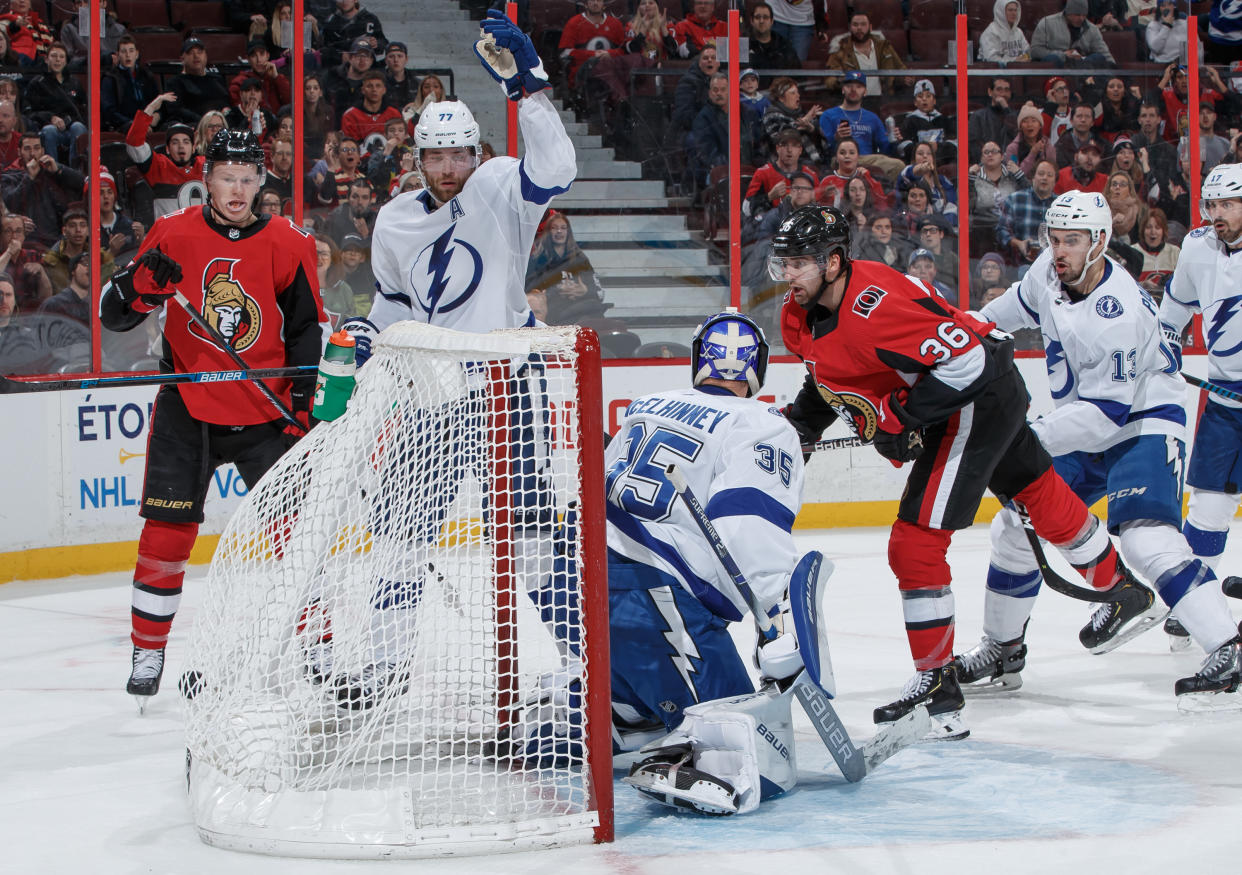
(1061, 518)
(163, 550)
(917, 556)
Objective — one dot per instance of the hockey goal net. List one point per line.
(403, 647)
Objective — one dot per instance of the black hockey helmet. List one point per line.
(811, 230)
(235, 147)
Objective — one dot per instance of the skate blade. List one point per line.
(1209, 703)
(1178, 643)
(898, 735)
(142, 702)
(702, 797)
(949, 726)
(1003, 685)
(1153, 616)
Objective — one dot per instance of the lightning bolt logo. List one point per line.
(677, 636)
(437, 267)
(1221, 319)
(444, 262)
(1054, 354)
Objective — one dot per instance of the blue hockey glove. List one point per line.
(510, 56)
(363, 332)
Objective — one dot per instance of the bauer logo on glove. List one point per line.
(509, 56)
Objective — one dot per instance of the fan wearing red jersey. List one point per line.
(929, 384)
(253, 278)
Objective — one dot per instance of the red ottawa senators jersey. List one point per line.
(889, 331)
(258, 287)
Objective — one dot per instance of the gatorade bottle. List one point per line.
(335, 385)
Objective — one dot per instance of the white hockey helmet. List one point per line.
(1081, 211)
(446, 124)
(1224, 181)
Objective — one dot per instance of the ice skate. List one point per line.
(1179, 638)
(144, 677)
(1217, 686)
(939, 691)
(1232, 587)
(1131, 611)
(991, 666)
(668, 777)
(365, 690)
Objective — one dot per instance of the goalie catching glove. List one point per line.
(153, 267)
(509, 56)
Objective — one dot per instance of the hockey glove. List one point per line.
(510, 56)
(363, 332)
(1173, 340)
(303, 417)
(807, 433)
(898, 437)
(161, 268)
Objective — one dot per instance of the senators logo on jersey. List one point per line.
(855, 407)
(226, 306)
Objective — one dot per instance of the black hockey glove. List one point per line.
(807, 434)
(162, 269)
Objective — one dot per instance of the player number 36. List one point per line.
(949, 336)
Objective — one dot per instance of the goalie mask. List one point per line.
(1080, 211)
(729, 346)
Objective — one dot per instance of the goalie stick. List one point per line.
(815, 700)
(9, 386)
(219, 339)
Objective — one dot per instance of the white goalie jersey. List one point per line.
(1111, 376)
(463, 266)
(1208, 280)
(742, 460)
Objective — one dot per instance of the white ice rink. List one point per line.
(1089, 765)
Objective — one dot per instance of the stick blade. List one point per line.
(897, 735)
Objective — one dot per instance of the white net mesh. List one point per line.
(391, 658)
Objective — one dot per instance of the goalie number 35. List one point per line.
(637, 482)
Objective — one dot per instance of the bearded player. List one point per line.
(252, 277)
(929, 384)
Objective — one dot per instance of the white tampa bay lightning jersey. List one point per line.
(463, 266)
(742, 460)
(1111, 375)
(1208, 279)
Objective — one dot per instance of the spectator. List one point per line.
(785, 113)
(1109, 14)
(1159, 255)
(318, 116)
(1227, 96)
(1116, 111)
(750, 96)
(356, 260)
(590, 34)
(1081, 131)
(1068, 39)
(1161, 155)
(861, 51)
(356, 216)
(280, 173)
(769, 185)
(1056, 109)
(538, 303)
(320, 181)
(1003, 42)
(74, 241)
(991, 182)
(798, 191)
(269, 202)
(27, 32)
(206, 129)
(996, 121)
(430, 90)
(279, 36)
(347, 26)
(850, 119)
(652, 24)
(370, 114)
(126, 87)
(926, 124)
(560, 267)
(700, 29)
(989, 272)
(20, 350)
(77, 45)
(939, 187)
(858, 206)
(1213, 148)
(932, 229)
(24, 265)
(249, 114)
(800, 22)
(40, 187)
(168, 171)
(1022, 213)
(73, 302)
(1030, 145)
(1129, 211)
(917, 205)
(400, 81)
(1125, 160)
(344, 82)
(395, 158)
(10, 135)
(1174, 97)
(882, 244)
(708, 143)
(198, 89)
(275, 90)
(120, 234)
(1171, 193)
(334, 189)
(1166, 34)
(338, 298)
(845, 167)
(770, 50)
(9, 59)
(922, 266)
(1084, 173)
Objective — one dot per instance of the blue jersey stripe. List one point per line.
(749, 501)
(537, 194)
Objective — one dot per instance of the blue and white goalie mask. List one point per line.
(729, 346)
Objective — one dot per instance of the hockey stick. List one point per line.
(1208, 386)
(1055, 582)
(16, 387)
(814, 699)
(836, 444)
(197, 318)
